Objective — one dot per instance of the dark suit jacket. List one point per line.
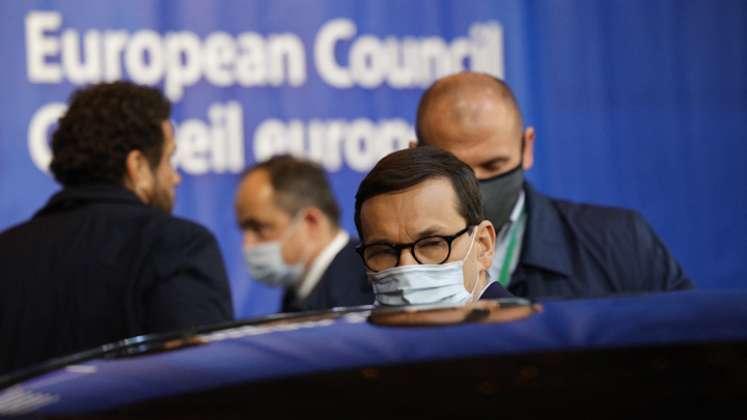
(581, 250)
(495, 291)
(96, 265)
(344, 283)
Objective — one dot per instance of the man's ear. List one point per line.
(528, 157)
(413, 144)
(315, 219)
(485, 242)
(138, 176)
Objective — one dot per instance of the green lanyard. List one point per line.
(505, 275)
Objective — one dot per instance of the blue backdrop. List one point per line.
(641, 104)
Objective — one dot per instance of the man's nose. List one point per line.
(250, 238)
(406, 257)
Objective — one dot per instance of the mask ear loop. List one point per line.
(477, 280)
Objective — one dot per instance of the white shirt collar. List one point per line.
(502, 239)
(518, 207)
(320, 264)
(515, 214)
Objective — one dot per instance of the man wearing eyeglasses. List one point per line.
(545, 247)
(424, 237)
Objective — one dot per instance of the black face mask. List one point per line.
(500, 193)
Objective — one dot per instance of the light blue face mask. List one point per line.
(423, 284)
(266, 263)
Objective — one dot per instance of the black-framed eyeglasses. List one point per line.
(429, 250)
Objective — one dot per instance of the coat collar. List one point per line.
(545, 240)
(74, 197)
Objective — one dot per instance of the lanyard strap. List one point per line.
(505, 275)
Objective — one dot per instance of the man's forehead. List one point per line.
(486, 132)
(255, 190)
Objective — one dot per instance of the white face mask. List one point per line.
(423, 284)
(266, 263)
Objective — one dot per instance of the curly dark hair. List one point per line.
(103, 123)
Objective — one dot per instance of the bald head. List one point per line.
(463, 102)
(476, 117)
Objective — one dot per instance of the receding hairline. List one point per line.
(263, 174)
(280, 175)
(258, 173)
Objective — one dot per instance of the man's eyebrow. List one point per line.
(429, 231)
(244, 224)
(251, 223)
